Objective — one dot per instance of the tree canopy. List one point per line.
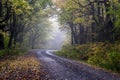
(22, 19)
(90, 20)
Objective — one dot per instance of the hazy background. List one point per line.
(57, 36)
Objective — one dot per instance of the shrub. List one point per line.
(105, 55)
(113, 61)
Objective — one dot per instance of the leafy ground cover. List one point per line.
(105, 55)
(25, 67)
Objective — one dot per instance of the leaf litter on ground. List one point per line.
(25, 67)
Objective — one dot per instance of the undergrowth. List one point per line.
(105, 55)
(10, 52)
(15, 49)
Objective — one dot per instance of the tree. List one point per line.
(15, 16)
(90, 20)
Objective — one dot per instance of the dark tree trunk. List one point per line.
(1, 41)
(33, 43)
(74, 37)
(1, 28)
(12, 31)
(82, 38)
(109, 25)
(76, 34)
(0, 9)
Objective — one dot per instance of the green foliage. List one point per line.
(95, 60)
(115, 12)
(30, 21)
(6, 39)
(111, 61)
(21, 7)
(2, 52)
(79, 20)
(105, 55)
(78, 52)
(7, 52)
(114, 61)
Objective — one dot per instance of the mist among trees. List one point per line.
(92, 28)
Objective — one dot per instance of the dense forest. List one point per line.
(92, 26)
(91, 20)
(22, 23)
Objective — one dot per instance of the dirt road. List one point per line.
(64, 69)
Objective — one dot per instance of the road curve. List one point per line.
(64, 69)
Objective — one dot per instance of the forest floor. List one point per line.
(25, 67)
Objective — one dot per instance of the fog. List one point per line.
(58, 36)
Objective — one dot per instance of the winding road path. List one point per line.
(64, 69)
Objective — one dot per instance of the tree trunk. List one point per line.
(74, 38)
(82, 38)
(1, 41)
(109, 25)
(12, 31)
